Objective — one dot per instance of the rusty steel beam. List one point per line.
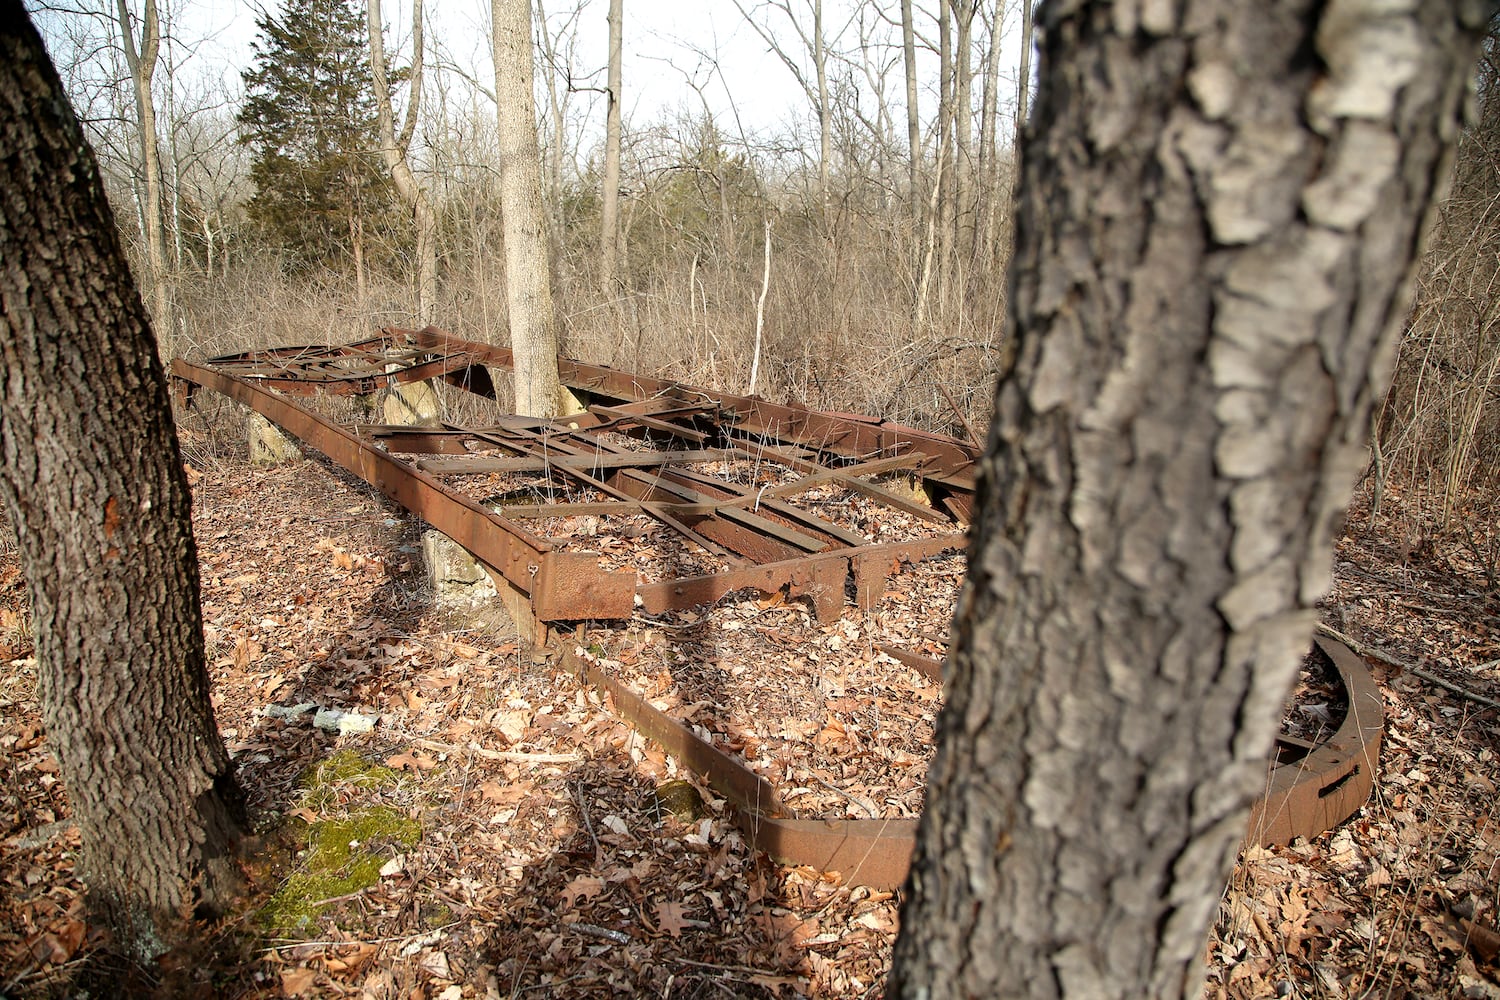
(1301, 801)
(770, 543)
(872, 852)
(952, 461)
(1316, 793)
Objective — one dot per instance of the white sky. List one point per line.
(667, 43)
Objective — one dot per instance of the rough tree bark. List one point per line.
(141, 61)
(1216, 229)
(528, 285)
(396, 149)
(609, 236)
(90, 471)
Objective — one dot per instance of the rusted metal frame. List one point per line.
(695, 488)
(1319, 789)
(687, 491)
(617, 416)
(800, 425)
(306, 382)
(744, 534)
(874, 491)
(652, 510)
(927, 666)
(870, 852)
(451, 467)
(480, 465)
(812, 575)
(561, 585)
(791, 518)
(416, 440)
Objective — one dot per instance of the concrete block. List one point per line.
(458, 579)
(412, 404)
(269, 444)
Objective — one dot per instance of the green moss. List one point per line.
(343, 857)
(346, 768)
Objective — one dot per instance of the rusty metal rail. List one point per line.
(1304, 796)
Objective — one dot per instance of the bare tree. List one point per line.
(141, 61)
(533, 331)
(816, 88)
(90, 471)
(609, 238)
(913, 121)
(395, 148)
(1218, 215)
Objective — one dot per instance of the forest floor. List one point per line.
(499, 833)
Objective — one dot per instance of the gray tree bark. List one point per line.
(1220, 208)
(395, 149)
(528, 280)
(90, 470)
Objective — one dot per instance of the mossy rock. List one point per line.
(681, 799)
(343, 857)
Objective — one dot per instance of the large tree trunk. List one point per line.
(1217, 224)
(396, 148)
(609, 236)
(142, 65)
(90, 471)
(533, 334)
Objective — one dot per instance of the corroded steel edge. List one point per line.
(871, 852)
(1327, 786)
(877, 852)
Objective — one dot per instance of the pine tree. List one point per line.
(310, 116)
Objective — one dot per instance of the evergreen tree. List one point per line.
(310, 117)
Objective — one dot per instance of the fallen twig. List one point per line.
(511, 755)
(593, 930)
(1364, 649)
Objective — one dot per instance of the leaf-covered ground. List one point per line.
(499, 833)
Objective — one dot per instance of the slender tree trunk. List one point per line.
(989, 189)
(913, 122)
(90, 471)
(963, 123)
(396, 151)
(533, 334)
(825, 113)
(1023, 85)
(557, 103)
(943, 251)
(1218, 221)
(142, 65)
(609, 237)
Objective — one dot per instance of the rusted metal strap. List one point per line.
(1333, 780)
(875, 853)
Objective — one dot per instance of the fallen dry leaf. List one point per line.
(507, 794)
(671, 917)
(297, 982)
(582, 887)
(414, 761)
